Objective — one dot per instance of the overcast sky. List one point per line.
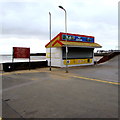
(25, 23)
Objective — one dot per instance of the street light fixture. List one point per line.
(66, 36)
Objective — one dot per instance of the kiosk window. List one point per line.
(77, 53)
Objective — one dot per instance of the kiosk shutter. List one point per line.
(77, 53)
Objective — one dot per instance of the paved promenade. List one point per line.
(84, 92)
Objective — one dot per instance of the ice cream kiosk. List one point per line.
(80, 50)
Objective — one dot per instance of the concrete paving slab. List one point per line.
(9, 112)
(55, 95)
(84, 92)
(105, 71)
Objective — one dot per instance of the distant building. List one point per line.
(80, 50)
(107, 51)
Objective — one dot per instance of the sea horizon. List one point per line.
(4, 58)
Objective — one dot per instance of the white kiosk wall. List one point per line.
(76, 56)
(56, 56)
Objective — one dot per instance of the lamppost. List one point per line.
(50, 37)
(66, 36)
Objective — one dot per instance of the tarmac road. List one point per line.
(43, 94)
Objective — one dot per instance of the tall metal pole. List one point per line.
(66, 36)
(50, 37)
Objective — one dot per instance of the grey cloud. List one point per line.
(31, 19)
(23, 18)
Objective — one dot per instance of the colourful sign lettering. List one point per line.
(77, 38)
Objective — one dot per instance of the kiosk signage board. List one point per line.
(78, 38)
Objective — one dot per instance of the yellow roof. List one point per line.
(82, 44)
(74, 44)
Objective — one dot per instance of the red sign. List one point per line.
(20, 52)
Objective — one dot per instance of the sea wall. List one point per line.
(7, 67)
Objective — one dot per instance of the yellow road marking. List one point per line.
(18, 72)
(60, 73)
(34, 79)
(116, 83)
(97, 80)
